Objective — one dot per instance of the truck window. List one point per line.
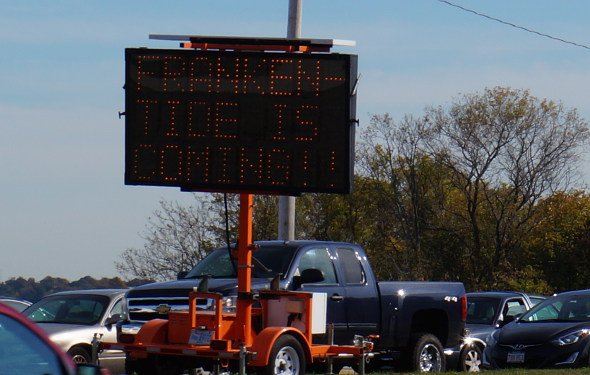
(351, 265)
(318, 259)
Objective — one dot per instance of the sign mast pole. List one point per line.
(286, 225)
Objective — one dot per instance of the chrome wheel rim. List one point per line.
(430, 360)
(78, 358)
(472, 361)
(286, 362)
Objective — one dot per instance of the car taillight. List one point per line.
(464, 307)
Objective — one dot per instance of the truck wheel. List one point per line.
(79, 355)
(427, 354)
(286, 357)
(470, 359)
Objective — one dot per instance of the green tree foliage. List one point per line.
(559, 247)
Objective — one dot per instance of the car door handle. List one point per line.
(336, 297)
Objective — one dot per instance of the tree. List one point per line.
(176, 238)
(504, 150)
(559, 247)
(404, 189)
(456, 191)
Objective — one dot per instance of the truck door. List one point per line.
(362, 302)
(319, 261)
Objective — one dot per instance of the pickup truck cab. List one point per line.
(414, 319)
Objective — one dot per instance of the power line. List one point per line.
(513, 25)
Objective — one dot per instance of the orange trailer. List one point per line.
(270, 332)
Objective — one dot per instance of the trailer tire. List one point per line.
(427, 354)
(286, 357)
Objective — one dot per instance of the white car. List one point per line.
(72, 318)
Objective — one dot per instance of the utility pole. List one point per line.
(287, 203)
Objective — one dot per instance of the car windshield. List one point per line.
(568, 308)
(69, 309)
(268, 261)
(482, 310)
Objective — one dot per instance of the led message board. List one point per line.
(239, 121)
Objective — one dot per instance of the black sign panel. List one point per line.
(239, 121)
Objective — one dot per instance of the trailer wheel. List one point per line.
(427, 354)
(286, 357)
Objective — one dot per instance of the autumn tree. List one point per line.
(456, 190)
(505, 150)
(558, 249)
(391, 157)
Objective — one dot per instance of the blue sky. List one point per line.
(64, 210)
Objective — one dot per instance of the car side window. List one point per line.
(548, 312)
(351, 265)
(321, 260)
(514, 307)
(117, 308)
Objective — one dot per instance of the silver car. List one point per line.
(15, 303)
(72, 318)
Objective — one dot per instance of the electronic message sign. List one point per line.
(254, 122)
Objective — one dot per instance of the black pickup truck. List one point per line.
(415, 319)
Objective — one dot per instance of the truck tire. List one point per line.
(79, 355)
(427, 354)
(286, 357)
(470, 359)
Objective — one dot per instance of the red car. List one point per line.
(26, 349)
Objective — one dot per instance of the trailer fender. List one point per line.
(153, 332)
(264, 342)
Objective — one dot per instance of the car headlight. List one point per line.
(571, 338)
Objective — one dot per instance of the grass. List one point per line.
(579, 371)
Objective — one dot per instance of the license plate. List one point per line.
(200, 337)
(515, 357)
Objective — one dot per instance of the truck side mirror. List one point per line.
(112, 319)
(181, 275)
